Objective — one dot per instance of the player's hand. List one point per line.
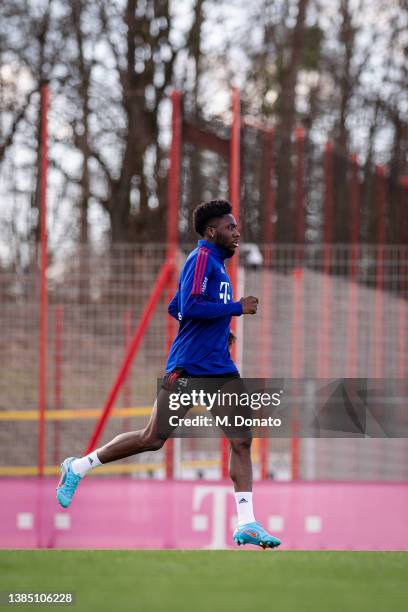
(249, 304)
(231, 339)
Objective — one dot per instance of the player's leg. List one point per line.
(73, 469)
(248, 531)
(153, 436)
(240, 464)
(134, 442)
(240, 440)
(240, 471)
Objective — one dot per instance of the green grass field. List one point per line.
(199, 581)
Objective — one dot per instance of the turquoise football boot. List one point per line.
(68, 483)
(254, 533)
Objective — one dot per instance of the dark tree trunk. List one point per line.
(285, 232)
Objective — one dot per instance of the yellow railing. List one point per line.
(114, 468)
(69, 414)
(93, 413)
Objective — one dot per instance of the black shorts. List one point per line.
(179, 381)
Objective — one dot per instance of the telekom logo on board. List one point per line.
(218, 518)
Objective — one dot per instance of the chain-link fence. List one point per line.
(348, 318)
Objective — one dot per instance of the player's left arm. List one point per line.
(231, 339)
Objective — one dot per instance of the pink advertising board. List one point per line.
(127, 513)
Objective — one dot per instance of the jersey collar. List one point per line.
(219, 252)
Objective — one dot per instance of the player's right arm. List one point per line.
(193, 288)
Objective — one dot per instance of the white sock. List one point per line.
(82, 465)
(245, 509)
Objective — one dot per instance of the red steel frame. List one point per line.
(379, 284)
(42, 372)
(325, 328)
(267, 279)
(298, 279)
(127, 386)
(127, 383)
(234, 188)
(269, 192)
(403, 224)
(300, 192)
(403, 239)
(173, 199)
(58, 334)
(352, 318)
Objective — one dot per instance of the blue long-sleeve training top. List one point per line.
(203, 305)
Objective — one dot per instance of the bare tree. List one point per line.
(112, 65)
(287, 120)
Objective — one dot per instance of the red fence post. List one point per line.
(300, 189)
(58, 331)
(173, 184)
(173, 199)
(403, 228)
(235, 171)
(328, 206)
(403, 210)
(298, 280)
(42, 382)
(352, 309)
(235, 189)
(325, 328)
(403, 272)
(296, 363)
(127, 385)
(268, 190)
(379, 276)
(355, 205)
(267, 281)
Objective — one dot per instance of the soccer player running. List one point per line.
(203, 305)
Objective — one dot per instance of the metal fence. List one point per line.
(325, 311)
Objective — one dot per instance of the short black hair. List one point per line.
(207, 211)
